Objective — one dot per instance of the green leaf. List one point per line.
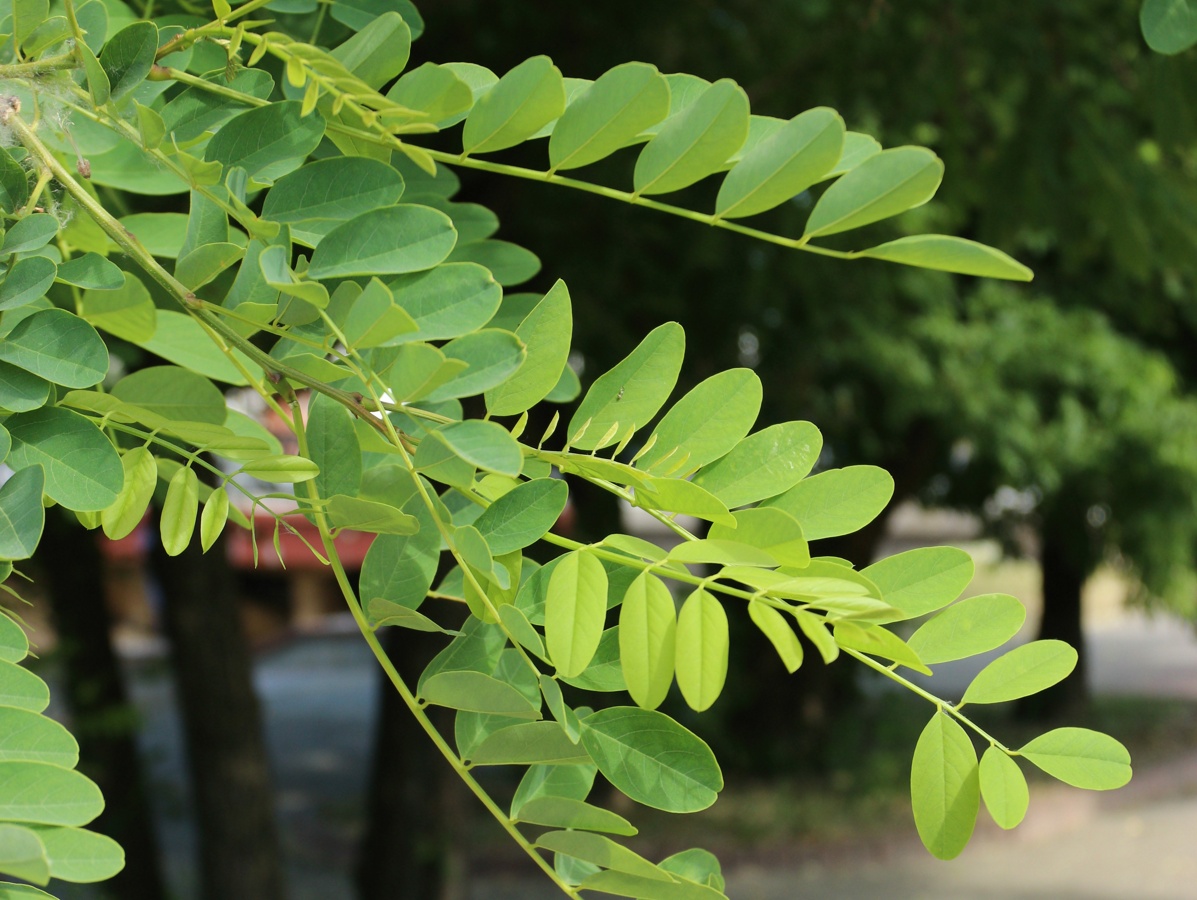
(14, 183)
(29, 233)
(58, 346)
(838, 501)
(183, 341)
(944, 787)
(1080, 757)
(815, 629)
(203, 264)
(600, 850)
(608, 115)
(91, 272)
(160, 233)
(21, 892)
(522, 516)
(878, 641)
(197, 110)
(27, 15)
(857, 148)
(14, 645)
(43, 794)
(174, 393)
(526, 636)
(26, 281)
(490, 357)
(31, 737)
(546, 332)
(128, 57)
(884, 185)
(774, 626)
(317, 196)
(434, 90)
(266, 141)
(1169, 26)
(526, 99)
(702, 649)
(727, 552)
(21, 391)
(334, 447)
(697, 865)
(950, 254)
(675, 495)
(284, 469)
(379, 52)
(1003, 788)
(695, 142)
(1022, 671)
(213, 518)
(449, 301)
(763, 464)
(627, 885)
(22, 517)
(486, 445)
(705, 424)
(573, 782)
(509, 263)
(652, 759)
(647, 640)
(179, 511)
(923, 580)
(974, 625)
(83, 470)
(97, 79)
(22, 854)
(795, 156)
(575, 608)
(565, 812)
(632, 392)
(21, 689)
(400, 568)
(528, 743)
(372, 516)
(772, 530)
(384, 612)
(477, 692)
(126, 512)
(79, 855)
(388, 241)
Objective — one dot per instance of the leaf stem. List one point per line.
(926, 695)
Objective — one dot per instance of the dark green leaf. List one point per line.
(449, 301)
(26, 281)
(529, 743)
(1169, 26)
(30, 233)
(58, 346)
(128, 57)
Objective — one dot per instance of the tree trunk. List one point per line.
(222, 726)
(1064, 573)
(104, 722)
(405, 851)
